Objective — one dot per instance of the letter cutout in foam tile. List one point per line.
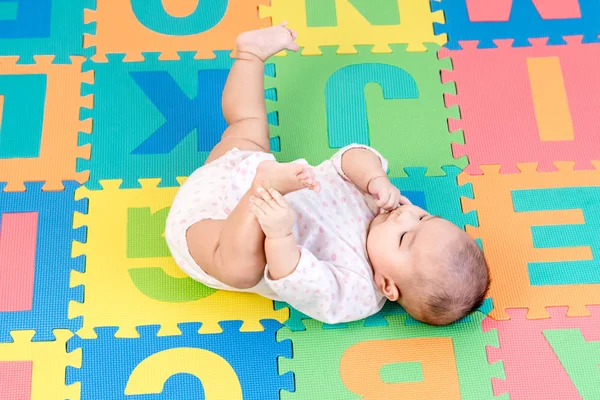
(146, 290)
(434, 355)
(345, 90)
(153, 15)
(521, 257)
(18, 245)
(133, 27)
(584, 236)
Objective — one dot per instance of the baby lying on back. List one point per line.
(334, 241)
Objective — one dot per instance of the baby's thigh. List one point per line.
(203, 241)
(245, 135)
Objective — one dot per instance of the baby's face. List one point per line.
(401, 241)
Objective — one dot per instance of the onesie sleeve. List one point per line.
(336, 159)
(326, 292)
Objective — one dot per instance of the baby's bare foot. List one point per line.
(285, 177)
(264, 43)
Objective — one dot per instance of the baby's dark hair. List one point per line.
(461, 290)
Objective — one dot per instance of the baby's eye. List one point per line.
(402, 237)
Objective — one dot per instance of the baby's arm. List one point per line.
(324, 291)
(276, 218)
(361, 166)
(366, 169)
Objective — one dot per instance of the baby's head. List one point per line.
(429, 265)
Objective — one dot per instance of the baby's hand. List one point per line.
(386, 195)
(275, 216)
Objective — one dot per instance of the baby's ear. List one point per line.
(390, 290)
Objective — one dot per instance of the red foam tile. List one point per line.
(18, 238)
(498, 116)
(15, 380)
(533, 371)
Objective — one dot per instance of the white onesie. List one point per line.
(333, 281)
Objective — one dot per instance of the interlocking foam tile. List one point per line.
(296, 320)
(133, 27)
(36, 370)
(231, 365)
(440, 194)
(36, 236)
(130, 278)
(42, 27)
(358, 22)
(540, 234)
(39, 112)
(534, 104)
(411, 361)
(485, 20)
(392, 102)
(554, 358)
(179, 104)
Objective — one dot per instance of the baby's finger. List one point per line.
(293, 33)
(293, 47)
(404, 201)
(257, 211)
(265, 196)
(316, 187)
(384, 198)
(392, 204)
(279, 198)
(259, 203)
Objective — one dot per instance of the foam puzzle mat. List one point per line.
(488, 111)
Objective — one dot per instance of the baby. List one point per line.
(334, 241)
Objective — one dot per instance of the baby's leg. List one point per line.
(232, 251)
(243, 97)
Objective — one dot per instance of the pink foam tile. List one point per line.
(533, 371)
(15, 380)
(18, 236)
(497, 108)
